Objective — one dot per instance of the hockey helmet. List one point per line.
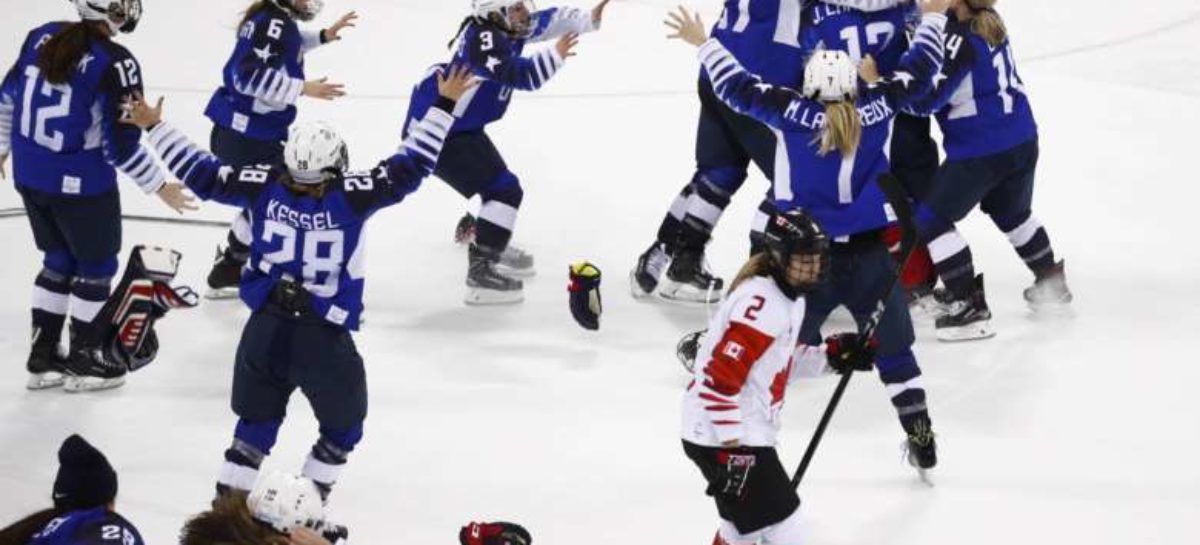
(313, 150)
(286, 502)
(514, 16)
(830, 76)
(792, 235)
(310, 11)
(119, 15)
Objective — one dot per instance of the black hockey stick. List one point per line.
(898, 199)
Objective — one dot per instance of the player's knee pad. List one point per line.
(506, 189)
(929, 224)
(259, 434)
(59, 261)
(788, 532)
(102, 269)
(898, 367)
(727, 180)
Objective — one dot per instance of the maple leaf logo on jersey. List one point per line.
(779, 384)
(733, 350)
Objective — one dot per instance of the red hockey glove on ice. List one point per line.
(494, 533)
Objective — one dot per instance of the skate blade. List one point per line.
(485, 297)
(45, 381)
(221, 294)
(1062, 305)
(972, 332)
(683, 293)
(513, 272)
(76, 385)
(926, 477)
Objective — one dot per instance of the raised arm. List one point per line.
(916, 74)
(122, 142)
(555, 22)
(960, 57)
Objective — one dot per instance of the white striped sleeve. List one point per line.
(143, 170)
(426, 138)
(179, 153)
(272, 86)
(866, 5)
(6, 120)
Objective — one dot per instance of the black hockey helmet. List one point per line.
(791, 234)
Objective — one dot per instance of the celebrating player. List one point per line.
(835, 137)
(281, 509)
(305, 277)
(256, 104)
(85, 493)
(66, 90)
(731, 412)
(991, 142)
(765, 36)
(491, 42)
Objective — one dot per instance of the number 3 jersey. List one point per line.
(65, 137)
(496, 58)
(97, 526)
(313, 241)
(744, 366)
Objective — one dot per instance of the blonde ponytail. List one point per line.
(757, 265)
(843, 128)
(986, 22)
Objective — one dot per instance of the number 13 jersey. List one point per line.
(744, 366)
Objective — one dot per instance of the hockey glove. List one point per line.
(688, 347)
(143, 296)
(846, 353)
(736, 465)
(494, 533)
(585, 295)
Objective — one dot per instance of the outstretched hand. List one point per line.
(140, 114)
(177, 197)
(332, 34)
(455, 83)
(598, 13)
(322, 89)
(687, 26)
(566, 45)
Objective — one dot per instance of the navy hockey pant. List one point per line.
(726, 144)
(859, 271)
(237, 150)
(79, 238)
(1002, 186)
(471, 164)
(914, 155)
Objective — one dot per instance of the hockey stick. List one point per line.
(20, 212)
(898, 199)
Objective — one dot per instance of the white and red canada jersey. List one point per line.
(744, 366)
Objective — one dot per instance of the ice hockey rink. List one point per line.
(1082, 428)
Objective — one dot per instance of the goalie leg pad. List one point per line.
(143, 296)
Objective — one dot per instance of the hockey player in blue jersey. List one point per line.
(59, 106)
(766, 36)
(991, 144)
(492, 43)
(256, 103)
(304, 280)
(85, 492)
(835, 134)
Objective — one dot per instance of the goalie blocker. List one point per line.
(143, 297)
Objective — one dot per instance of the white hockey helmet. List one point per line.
(119, 15)
(503, 9)
(286, 502)
(830, 76)
(310, 11)
(312, 150)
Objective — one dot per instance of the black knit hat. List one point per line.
(85, 480)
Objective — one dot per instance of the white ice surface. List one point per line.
(1083, 429)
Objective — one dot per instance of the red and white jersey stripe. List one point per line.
(744, 366)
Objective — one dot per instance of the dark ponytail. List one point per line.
(22, 531)
(59, 56)
(461, 27)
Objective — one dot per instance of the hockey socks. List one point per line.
(328, 457)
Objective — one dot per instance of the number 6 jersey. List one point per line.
(316, 242)
(65, 137)
(743, 368)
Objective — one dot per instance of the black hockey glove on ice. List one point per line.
(736, 464)
(846, 354)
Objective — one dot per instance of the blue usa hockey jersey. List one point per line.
(980, 101)
(264, 77)
(878, 34)
(316, 242)
(65, 138)
(497, 58)
(838, 190)
(97, 526)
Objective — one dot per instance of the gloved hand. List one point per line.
(494, 533)
(846, 353)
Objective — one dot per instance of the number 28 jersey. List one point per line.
(65, 137)
(315, 242)
(744, 366)
(97, 526)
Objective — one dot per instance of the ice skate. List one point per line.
(643, 279)
(88, 371)
(929, 303)
(1050, 289)
(967, 319)
(515, 262)
(485, 285)
(689, 281)
(45, 365)
(920, 449)
(224, 278)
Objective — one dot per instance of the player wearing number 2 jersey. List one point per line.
(991, 143)
(59, 106)
(305, 276)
